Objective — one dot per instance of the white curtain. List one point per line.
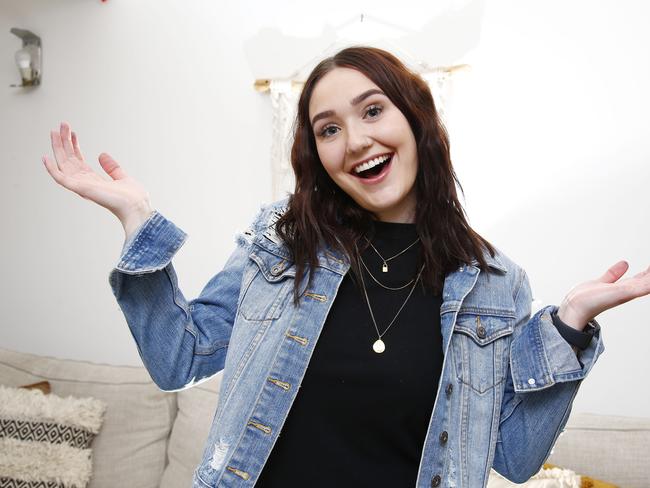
(284, 103)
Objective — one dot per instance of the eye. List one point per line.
(325, 131)
(374, 111)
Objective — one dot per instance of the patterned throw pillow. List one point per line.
(45, 439)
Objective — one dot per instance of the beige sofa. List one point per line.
(155, 439)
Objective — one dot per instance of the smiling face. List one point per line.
(365, 143)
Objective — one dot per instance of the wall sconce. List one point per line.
(28, 58)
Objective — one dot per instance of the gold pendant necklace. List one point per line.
(379, 346)
(392, 288)
(384, 266)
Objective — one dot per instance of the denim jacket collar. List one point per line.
(334, 259)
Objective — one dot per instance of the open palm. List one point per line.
(588, 299)
(121, 194)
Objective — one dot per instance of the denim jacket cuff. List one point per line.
(152, 247)
(541, 357)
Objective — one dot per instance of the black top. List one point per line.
(360, 418)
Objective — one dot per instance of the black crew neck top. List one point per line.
(360, 418)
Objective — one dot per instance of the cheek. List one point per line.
(397, 132)
(330, 158)
(408, 142)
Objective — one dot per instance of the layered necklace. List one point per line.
(379, 345)
(384, 266)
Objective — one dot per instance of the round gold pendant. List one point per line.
(379, 346)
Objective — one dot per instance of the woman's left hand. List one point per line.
(588, 299)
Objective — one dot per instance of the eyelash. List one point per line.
(371, 107)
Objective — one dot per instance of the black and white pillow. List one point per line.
(45, 439)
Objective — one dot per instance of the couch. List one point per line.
(152, 438)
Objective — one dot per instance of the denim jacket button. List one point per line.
(435, 481)
(443, 436)
(480, 331)
(449, 389)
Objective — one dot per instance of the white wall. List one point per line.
(549, 135)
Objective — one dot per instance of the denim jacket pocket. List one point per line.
(268, 285)
(480, 345)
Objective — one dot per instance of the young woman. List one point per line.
(368, 336)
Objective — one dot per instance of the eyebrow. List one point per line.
(355, 101)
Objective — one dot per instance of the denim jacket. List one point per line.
(506, 388)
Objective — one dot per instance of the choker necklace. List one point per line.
(379, 346)
(384, 267)
(381, 284)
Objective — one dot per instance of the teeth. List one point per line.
(371, 164)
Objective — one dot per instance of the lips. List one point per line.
(374, 179)
(353, 170)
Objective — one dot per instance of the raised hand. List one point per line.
(588, 299)
(122, 195)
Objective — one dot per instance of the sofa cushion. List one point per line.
(611, 448)
(545, 478)
(45, 439)
(130, 448)
(196, 409)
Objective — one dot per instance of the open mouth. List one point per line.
(373, 168)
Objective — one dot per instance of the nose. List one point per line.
(358, 140)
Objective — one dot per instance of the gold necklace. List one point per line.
(381, 284)
(379, 346)
(384, 267)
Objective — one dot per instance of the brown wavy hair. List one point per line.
(320, 212)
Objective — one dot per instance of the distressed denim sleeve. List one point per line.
(180, 342)
(543, 378)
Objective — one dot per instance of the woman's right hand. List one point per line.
(122, 195)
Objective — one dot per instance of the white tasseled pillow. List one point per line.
(47, 438)
(545, 478)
